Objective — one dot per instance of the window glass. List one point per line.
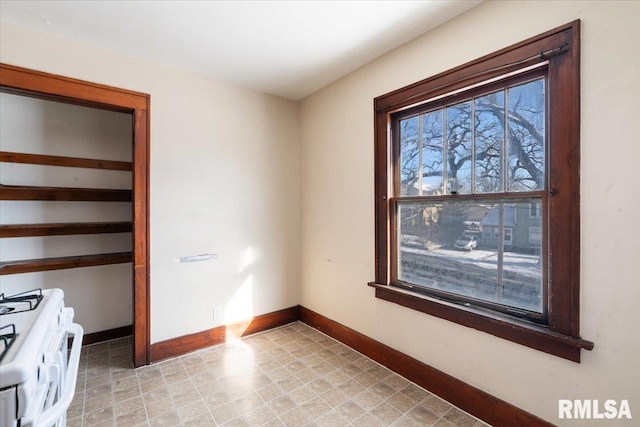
(439, 249)
(489, 142)
(409, 157)
(432, 158)
(526, 106)
(459, 140)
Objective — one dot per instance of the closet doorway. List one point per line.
(35, 84)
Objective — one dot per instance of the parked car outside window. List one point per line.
(468, 243)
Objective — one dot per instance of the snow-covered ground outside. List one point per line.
(526, 264)
(444, 269)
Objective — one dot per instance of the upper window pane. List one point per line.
(459, 140)
(526, 136)
(489, 142)
(409, 157)
(432, 157)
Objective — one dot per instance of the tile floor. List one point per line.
(289, 376)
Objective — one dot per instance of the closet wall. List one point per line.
(100, 295)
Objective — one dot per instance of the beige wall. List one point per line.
(337, 209)
(224, 180)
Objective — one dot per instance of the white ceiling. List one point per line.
(286, 48)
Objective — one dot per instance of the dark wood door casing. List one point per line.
(36, 84)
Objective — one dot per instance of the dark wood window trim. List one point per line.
(558, 50)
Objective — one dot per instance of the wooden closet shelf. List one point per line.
(20, 192)
(61, 263)
(61, 229)
(72, 162)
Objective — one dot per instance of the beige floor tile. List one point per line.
(227, 412)
(98, 391)
(260, 415)
(135, 417)
(168, 419)
(125, 394)
(329, 419)
(204, 420)
(282, 405)
(98, 416)
(75, 410)
(422, 415)
(351, 387)
(367, 400)
(459, 418)
(289, 376)
(151, 384)
(301, 395)
(74, 422)
(401, 402)
(415, 393)
(367, 420)
(124, 383)
(382, 390)
(99, 402)
(129, 405)
(350, 411)
(443, 423)
(437, 405)
(238, 422)
(159, 407)
(98, 380)
(320, 386)
(295, 418)
(270, 392)
(405, 421)
(316, 408)
(334, 397)
(149, 374)
(213, 400)
(386, 413)
(192, 411)
(156, 395)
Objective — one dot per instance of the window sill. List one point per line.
(521, 332)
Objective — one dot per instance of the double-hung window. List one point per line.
(481, 165)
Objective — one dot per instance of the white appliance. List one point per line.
(37, 372)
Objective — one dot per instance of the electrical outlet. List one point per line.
(217, 312)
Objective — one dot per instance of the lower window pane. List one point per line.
(473, 250)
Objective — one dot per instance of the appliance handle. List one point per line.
(53, 414)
